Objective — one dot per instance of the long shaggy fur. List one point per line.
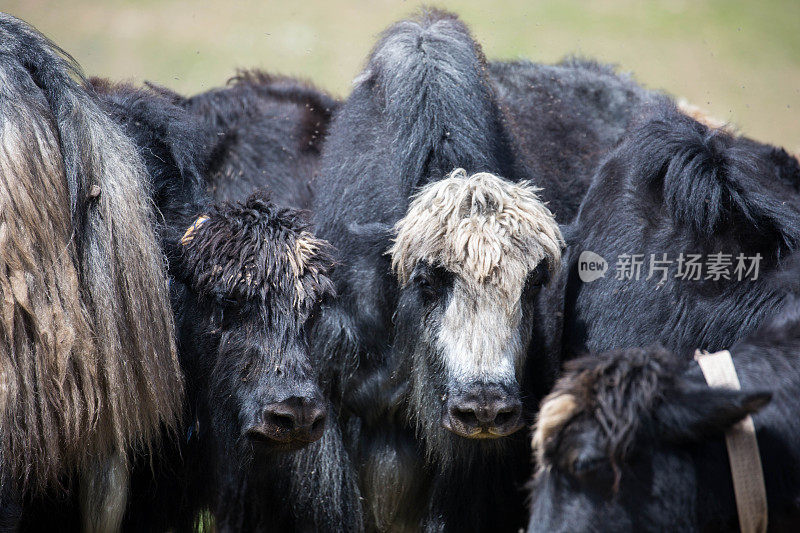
(431, 65)
(710, 181)
(481, 227)
(88, 361)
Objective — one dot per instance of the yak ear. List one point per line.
(690, 415)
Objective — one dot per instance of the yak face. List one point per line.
(628, 441)
(470, 255)
(260, 277)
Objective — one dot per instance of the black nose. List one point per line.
(485, 412)
(295, 420)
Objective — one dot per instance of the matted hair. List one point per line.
(482, 227)
(88, 364)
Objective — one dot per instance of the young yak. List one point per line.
(88, 363)
(247, 282)
(632, 440)
(427, 341)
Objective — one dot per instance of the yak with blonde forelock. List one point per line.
(444, 251)
(482, 227)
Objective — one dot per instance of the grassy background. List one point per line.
(738, 59)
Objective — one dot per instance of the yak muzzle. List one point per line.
(296, 421)
(484, 412)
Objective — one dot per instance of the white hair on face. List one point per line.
(479, 334)
(491, 233)
(482, 227)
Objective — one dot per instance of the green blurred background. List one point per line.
(737, 59)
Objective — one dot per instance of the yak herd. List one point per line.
(261, 308)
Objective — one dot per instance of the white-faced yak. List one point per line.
(443, 246)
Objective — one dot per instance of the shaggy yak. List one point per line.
(269, 132)
(246, 283)
(680, 194)
(426, 344)
(88, 363)
(632, 440)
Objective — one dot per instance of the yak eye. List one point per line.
(593, 471)
(431, 280)
(583, 466)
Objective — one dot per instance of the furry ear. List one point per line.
(691, 415)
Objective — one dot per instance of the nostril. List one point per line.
(466, 416)
(317, 424)
(278, 420)
(504, 417)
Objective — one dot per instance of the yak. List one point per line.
(632, 439)
(269, 133)
(674, 193)
(245, 282)
(88, 361)
(442, 247)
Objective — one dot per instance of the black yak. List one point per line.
(440, 262)
(632, 440)
(269, 133)
(88, 362)
(697, 228)
(247, 282)
(677, 193)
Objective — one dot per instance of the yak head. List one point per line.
(632, 441)
(257, 278)
(470, 255)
